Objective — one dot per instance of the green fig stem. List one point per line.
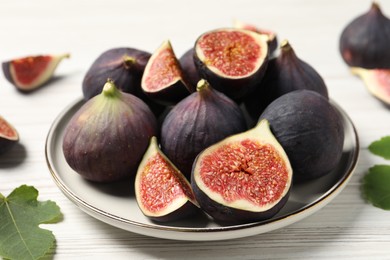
(285, 45)
(110, 90)
(202, 85)
(129, 61)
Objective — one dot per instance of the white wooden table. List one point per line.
(347, 228)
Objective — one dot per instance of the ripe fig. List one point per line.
(310, 130)
(124, 66)
(189, 69)
(232, 60)
(377, 82)
(284, 74)
(32, 72)
(365, 41)
(271, 36)
(198, 121)
(8, 136)
(161, 190)
(163, 79)
(106, 138)
(243, 178)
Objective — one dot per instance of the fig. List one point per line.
(198, 121)
(310, 130)
(284, 74)
(244, 178)
(106, 138)
(8, 136)
(271, 36)
(161, 190)
(365, 41)
(123, 65)
(31, 72)
(163, 79)
(232, 60)
(189, 69)
(377, 82)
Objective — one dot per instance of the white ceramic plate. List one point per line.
(116, 204)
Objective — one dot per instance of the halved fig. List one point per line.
(272, 38)
(377, 82)
(29, 73)
(233, 61)
(162, 192)
(163, 79)
(198, 121)
(124, 66)
(243, 178)
(8, 136)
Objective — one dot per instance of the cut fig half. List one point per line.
(377, 82)
(8, 136)
(163, 79)
(272, 38)
(243, 178)
(162, 192)
(232, 60)
(29, 73)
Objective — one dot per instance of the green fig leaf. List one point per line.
(20, 216)
(381, 147)
(376, 186)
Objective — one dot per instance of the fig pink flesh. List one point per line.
(383, 77)
(29, 68)
(165, 70)
(233, 53)
(5, 130)
(160, 185)
(250, 171)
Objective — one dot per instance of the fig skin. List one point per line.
(198, 121)
(189, 69)
(123, 65)
(9, 136)
(284, 74)
(236, 87)
(106, 138)
(365, 41)
(310, 130)
(243, 210)
(180, 207)
(163, 80)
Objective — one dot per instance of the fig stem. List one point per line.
(285, 45)
(110, 89)
(202, 84)
(129, 61)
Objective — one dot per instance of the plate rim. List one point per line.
(121, 222)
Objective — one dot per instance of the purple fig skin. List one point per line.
(235, 88)
(189, 69)
(284, 74)
(171, 95)
(365, 41)
(310, 130)
(187, 210)
(107, 137)
(124, 66)
(198, 121)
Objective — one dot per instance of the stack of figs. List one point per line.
(225, 129)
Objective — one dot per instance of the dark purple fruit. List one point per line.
(365, 41)
(243, 178)
(107, 137)
(161, 190)
(198, 121)
(189, 69)
(163, 79)
(377, 82)
(124, 66)
(232, 60)
(272, 39)
(8, 136)
(31, 72)
(284, 74)
(310, 130)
